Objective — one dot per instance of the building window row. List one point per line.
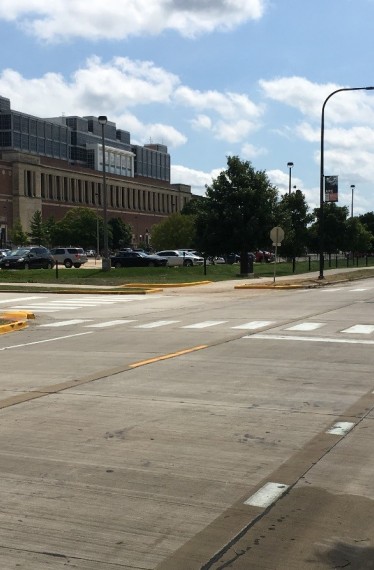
(90, 193)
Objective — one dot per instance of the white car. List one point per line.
(180, 258)
(197, 259)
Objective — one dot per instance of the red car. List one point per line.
(262, 256)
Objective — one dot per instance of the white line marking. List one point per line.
(360, 329)
(156, 324)
(66, 323)
(354, 290)
(109, 324)
(43, 341)
(309, 339)
(267, 495)
(331, 290)
(254, 325)
(305, 327)
(204, 325)
(18, 299)
(341, 428)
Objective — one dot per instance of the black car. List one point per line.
(136, 259)
(28, 258)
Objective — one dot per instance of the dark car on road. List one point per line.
(136, 259)
(28, 258)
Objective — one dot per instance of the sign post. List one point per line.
(277, 236)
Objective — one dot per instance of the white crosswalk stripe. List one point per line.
(305, 327)
(156, 324)
(66, 323)
(110, 323)
(204, 325)
(360, 329)
(253, 325)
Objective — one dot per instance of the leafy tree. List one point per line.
(177, 231)
(358, 238)
(334, 227)
(193, 206)
(368, 221)
(121, 233)
(50, 231)
(237, 213)
(294, 219)
(37, 232)
(17, 235)
(78, 227)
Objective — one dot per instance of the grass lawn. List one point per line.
(161, 275)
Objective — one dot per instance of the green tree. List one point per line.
(368, 221)
(17, 235)
(294, 218)
(121, 233)
(358, 238)
(334, 228)
(78, 228)
(193, 206)
(37, 232)
(237, 213)
(177, 231)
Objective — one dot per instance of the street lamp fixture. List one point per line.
(106, 260)
(290, 165)
(322, 175)
(352, 190)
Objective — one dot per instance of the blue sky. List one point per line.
(208, 78)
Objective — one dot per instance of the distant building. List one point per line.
(56, 164)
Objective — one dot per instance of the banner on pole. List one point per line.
(331, 189)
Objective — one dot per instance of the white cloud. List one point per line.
(308, 97)
(114, 87)
(197, 179)
(249, 151)
(99, 88)
(232, 116)
(61, 19)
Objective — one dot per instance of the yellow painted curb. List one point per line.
(272, 286)
(165, 285)
(18, 315)
(14, 326)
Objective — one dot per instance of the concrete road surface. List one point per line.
(192, 429)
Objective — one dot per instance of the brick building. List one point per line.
(56, 164)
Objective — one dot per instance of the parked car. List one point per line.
(217, 260)
(33, 257)
(176, 257)
(5, 252)
(196, 258)
(136, 259)
(69, 256)
(262, 255)
(90, 253)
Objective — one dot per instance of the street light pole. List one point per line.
(105, 264)
(322, 175)
(290, 165)
(352, 190)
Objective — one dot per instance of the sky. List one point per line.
(209, 79)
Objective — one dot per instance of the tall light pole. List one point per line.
(322, 175)
(352, 190)
(290, 165)
(105, 264)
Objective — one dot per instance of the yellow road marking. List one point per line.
(167, 356)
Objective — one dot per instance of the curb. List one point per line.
(14, 324)
(168, 285)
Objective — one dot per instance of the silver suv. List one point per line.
(69, 256)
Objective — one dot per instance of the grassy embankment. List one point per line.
(171, 275)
